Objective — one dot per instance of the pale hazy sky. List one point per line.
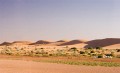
(59, 19)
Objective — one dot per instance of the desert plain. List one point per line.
(63, 56)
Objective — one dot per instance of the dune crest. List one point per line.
(73, 42)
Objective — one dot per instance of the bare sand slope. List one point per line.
(18, 66)
(115, 46)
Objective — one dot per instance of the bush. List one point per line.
(100, 56)
(93, 54)
(118, 50)
(108, 54)
(92, 51)
(82, 52)
(74, 48)
(98, 48)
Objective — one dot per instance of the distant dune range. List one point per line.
(105, 43)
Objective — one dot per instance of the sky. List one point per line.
(59, 19)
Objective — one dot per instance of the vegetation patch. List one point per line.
(105, 64)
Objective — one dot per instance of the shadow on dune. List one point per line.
(102, 42)
(41, 42)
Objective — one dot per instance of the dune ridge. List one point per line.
(105, 43)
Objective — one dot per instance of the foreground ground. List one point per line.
(20, 66)
(25, 64)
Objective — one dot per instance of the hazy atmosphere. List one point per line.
(59, 36)
(59, 19)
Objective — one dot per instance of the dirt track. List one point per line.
(19, 66)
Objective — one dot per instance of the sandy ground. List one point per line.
(19, 66)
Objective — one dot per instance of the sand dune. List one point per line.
(62, 41)
(115, 46)
(102, 42)
(57, 43)
(109, 43)
(81, 45)
(5, 43)
(42, 42)
(73, 42)
(19, 66)
(21, 42)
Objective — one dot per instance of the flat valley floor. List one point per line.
(21, 66)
